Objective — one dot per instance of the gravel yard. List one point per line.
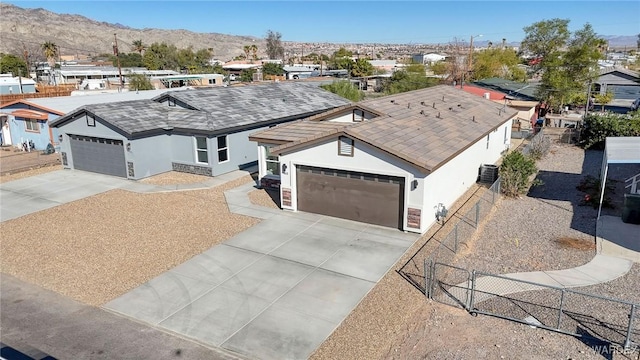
(395, 321)
(266, 198)
(100, 247)
(27, 173)
(12, 162)
(175, 178)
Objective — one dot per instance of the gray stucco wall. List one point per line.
(150, 156)
(241, 152)
(78, 126)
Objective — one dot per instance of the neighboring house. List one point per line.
(75, 74)
(513, 89)
(623, 83)
(298, 72)
(527, 110)
(28, 119)
(388, 66)
(16, 85)
(392, 161)
(200, 131)
(25, 121)
(428, 58)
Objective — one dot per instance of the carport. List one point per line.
(615, 236)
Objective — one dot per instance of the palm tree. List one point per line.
(51, 52)
(138, 46)
(247, 51)
(254, 51)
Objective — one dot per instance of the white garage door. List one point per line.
(100, 155)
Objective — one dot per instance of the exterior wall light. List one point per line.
(414, 184)
(60, 137)
(284, 169)
(128, 146)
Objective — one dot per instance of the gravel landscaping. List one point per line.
(28, 173)
(96, 249)
(266, 198)
(175, 178)
(547, 229)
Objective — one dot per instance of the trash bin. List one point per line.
(631, 209)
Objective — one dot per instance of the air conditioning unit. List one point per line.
(488, 173)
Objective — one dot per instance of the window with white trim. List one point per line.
(345, 146)
(505, 135)
(91, 121)
(358, 115)
(488, 135)
(273, 162)
(31, 125)
(202, 152)
(223, 149)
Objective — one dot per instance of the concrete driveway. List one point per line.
(274, 291)
(36, 193)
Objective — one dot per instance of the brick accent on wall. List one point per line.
(268, 183)
(286, 197)
(192, 169)
(65, 162)
(413, 218)
(130, 169)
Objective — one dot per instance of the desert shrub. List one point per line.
(515, 171)
(539, 147)
(597, 127)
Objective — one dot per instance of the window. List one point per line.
(488, 135)
(358, 115)
(31, 125)
(171, 101)
(223, 149)
(345, 146)
(202, 153)
(505, 135)
(273, 163)
(91, 121)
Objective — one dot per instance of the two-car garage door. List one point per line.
(104, 156)
(364, 197)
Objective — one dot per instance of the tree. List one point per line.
(138, 46)
(412, 77)
(247, 75)
(361, 67)
(567, 62)
(275, 50)
(160, 56)
(13, 64)
(604, 99)
(440, 68)
(254, 52)
(497, 62)
(50, 51)
(597, 127)
(247, 50)
(272, 69)
(345, 89)
(341, 59)
(127, 60)
(515, 171)
(139, 82)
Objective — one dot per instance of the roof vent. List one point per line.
(434, 105)
(421, 112)
(442, 97)
(459, 105)
(450, 109)
(408, 105)
(473, 118)
(421, 102)
(438, 115)
(393, 101)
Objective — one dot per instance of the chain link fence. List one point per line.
(458, 230)
(553, 308)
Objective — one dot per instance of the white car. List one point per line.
(635, 105)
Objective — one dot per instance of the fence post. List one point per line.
(455, 238)
(477, 213)
(427, 266)
(627, 341)
(560, 310)
(473, 290)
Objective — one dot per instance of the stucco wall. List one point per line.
(365, 159)
(78, 126)
(150, 156)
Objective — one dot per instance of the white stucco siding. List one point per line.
(358, 115)
(365, 159)
(447, 183)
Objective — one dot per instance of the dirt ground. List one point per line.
(12, 162)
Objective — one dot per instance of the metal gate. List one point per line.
(448, 284)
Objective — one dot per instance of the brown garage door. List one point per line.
(369, 198)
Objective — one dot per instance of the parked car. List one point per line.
(635, 105)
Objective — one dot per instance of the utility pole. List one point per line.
(586, 108)
(115, 52)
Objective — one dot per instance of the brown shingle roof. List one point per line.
(426, 127)
(297, 131)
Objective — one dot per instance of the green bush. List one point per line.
(597, 127)
(139, 82)
(345, 89)
(515, 171)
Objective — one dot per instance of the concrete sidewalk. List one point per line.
(601, 269)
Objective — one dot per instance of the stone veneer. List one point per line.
(286, 197)
(64, 159)
(130, 169)
(192, 169)
(413, 218)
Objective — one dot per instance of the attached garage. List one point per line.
(370, 198)
(104, 156)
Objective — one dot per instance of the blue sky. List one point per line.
(358, 21)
